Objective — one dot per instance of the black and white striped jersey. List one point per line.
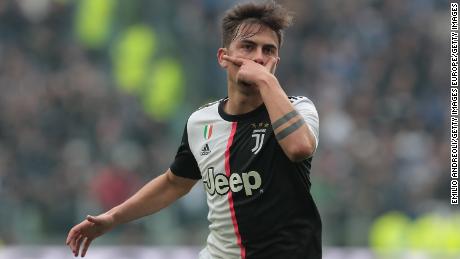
(259, 201)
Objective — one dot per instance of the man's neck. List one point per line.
(241, 103)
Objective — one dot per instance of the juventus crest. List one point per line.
(258, 132)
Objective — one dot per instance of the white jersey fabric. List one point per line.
(246, 177)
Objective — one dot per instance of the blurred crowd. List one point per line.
(74, 143)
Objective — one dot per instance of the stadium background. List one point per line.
(94, 95)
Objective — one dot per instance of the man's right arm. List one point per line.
(154, 196)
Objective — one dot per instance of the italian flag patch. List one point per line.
(207, 131)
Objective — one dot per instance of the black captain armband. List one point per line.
(284, 119)
(289, 129)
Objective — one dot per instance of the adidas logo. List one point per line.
(205, 150)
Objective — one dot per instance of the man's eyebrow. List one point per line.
(269, 45)
(247, 41)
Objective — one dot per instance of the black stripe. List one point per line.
(287, 131)
(284, 119)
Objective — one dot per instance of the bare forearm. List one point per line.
(289, 127)
(154, 196)
(274, 97)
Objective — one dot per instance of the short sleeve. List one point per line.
(184, 163)
(307, 110)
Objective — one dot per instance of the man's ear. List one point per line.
(220, 53)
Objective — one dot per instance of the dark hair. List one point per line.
(270, 14)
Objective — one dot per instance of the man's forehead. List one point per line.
(246, 31)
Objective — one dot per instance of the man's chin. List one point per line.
(247, 89)
(246, 84)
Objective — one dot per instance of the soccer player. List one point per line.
(252, 151)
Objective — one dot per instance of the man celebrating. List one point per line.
(252, 150)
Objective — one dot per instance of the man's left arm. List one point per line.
(292, 132)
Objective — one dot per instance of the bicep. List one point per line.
(182, 184)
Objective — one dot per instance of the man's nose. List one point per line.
(258, 56)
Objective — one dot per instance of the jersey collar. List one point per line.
(239, 117)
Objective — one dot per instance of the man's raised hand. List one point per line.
(250, 72)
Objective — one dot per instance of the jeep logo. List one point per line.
(222, 184)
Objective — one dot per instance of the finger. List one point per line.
(73, 233)
(69, 236)
(69, 244)
(78, 244)
(86, 244)
(234, 60)
(72, 245)
(72, 241)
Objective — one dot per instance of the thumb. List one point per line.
(271, 64)
(93, 219)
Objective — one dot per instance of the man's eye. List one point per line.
(247, 47)
(269, 51)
